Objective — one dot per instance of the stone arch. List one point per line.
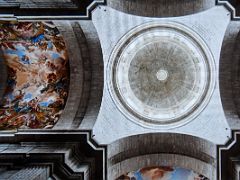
(161, 8)
(134, 152)
(86, 75)
(229, 74)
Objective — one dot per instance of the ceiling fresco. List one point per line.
(162, 173)
(38, 75)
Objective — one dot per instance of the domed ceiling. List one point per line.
(162, 73)
(38, 75)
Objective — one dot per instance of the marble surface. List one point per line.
(111, 26)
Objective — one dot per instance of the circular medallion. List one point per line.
(161, 73)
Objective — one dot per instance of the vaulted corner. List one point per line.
(119, 90)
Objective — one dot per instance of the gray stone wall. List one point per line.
(96, 60)
(161, 8)
(86, 75)
(161, 143)
(229, 74)
(86, 72)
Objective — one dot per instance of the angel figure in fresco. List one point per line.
(23, 30)
(162, 173)
(149, 173)
(156, 173)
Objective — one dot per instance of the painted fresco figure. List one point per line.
(37, 85)
(162, 173)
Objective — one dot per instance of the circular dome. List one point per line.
(161, 73)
